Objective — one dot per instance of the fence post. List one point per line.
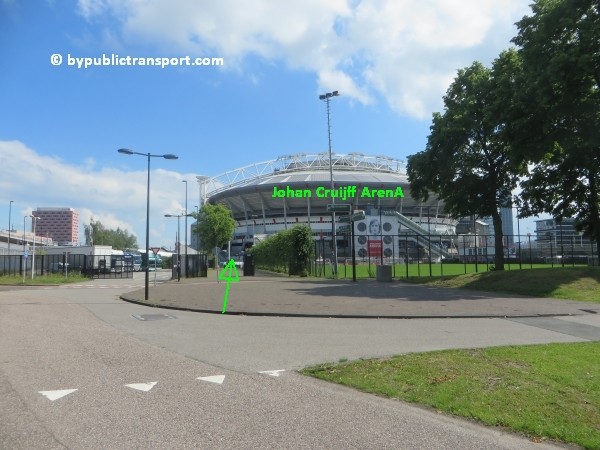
(476, 255)
(418, 258)
(429, 245)
(406, 253)
(369, 253)
(394, 256)
(441, 258)
(464, 254)
(520, 255)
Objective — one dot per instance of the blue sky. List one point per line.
(60, 126)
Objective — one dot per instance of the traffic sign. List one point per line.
(25, 254)
(344, 228)
(343, 219)
(342, 207)
(155, 250)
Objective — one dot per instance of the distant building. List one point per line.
(60, 224)
(507, 226)
(559, 232)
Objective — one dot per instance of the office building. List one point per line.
(59, 224)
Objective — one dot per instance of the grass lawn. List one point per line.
(401, 271)
(573, 283)
(544, 391)
(44, 279)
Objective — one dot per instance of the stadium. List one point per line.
(274, 195)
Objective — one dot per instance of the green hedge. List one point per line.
(289, 251)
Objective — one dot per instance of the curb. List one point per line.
(335, 316)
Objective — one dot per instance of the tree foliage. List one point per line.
(97, 234)
(287, 251)
(560, 50)
(215, 226)
(467, 162)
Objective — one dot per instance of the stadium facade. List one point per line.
(274, 195)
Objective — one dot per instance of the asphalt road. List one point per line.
(85, 338)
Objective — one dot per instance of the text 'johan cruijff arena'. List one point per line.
(271, 196)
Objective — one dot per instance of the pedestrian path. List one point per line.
(276, 296)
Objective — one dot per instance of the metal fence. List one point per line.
(197, 265)
(89, 266)
(428, 254)
(115, 266)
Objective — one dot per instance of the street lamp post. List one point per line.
(179, 216)
(186, 225)
(326, 97)
(23, 257)
(197, 232)
(519, 234)
(178, 243)
(9, 227)
(148, 155)
(34, 219)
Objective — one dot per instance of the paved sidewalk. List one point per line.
(283, 296)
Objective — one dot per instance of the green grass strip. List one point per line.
(544, 391)
(42, 279)
(572, 283)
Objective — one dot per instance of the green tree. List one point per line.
(303, 246)
(98, 234)
(215, 226)
(467, 162)
(560, 50)
(286, 251)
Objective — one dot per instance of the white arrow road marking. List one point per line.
(55, 395)
(213, 379)
(142, 386)
(273, 373)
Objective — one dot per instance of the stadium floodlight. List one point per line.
(326, 97)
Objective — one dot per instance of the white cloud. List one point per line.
(115, 197)
(404, 51)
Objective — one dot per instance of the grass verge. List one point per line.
(44, 279)
(544, 391)
(401, 271)
(572, 283)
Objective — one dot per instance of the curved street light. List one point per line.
(126, 151)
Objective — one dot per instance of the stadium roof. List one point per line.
(248, 190)
(302, 162)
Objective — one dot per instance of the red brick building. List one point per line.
(60, 224)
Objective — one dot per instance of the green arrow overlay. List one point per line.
(228, 274)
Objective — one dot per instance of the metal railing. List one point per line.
(418, 254)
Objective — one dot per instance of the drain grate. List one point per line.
(150, 317)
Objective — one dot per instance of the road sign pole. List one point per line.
(353, 252)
